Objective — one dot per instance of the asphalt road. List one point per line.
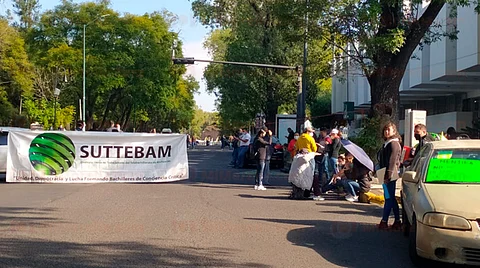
(214, 219)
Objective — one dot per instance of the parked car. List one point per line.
(4, 147)
(440, 202)
(277, 155)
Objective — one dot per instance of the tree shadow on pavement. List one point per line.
(276, 197)
(360, 208)
(349, 244)
(21, 218)
(21, 252)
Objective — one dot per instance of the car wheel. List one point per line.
(412, 245)
(406, 224)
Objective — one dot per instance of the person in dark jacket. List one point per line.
(356, 180)
(389, 158)
(422, 136)
(260, 147)
(334, 151)
(269, 148)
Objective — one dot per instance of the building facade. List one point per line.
(442, 78)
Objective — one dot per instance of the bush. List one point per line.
(370, 137)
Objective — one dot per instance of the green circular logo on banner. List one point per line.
(52, 153)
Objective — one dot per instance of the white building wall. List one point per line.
(436, 61)
(441, 122)
(468, 38)
(444, 52)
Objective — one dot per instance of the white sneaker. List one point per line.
(256, 187)
(351, 198)
(318, 198)
(261, 188)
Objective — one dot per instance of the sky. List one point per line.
(191, 32)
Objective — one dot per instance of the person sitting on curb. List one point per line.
(336, 180)
(356, 179)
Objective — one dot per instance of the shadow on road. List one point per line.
(19, 252)
(353, 208)
(276, 197)
(14, 219)
(349, 244)
(353, 244)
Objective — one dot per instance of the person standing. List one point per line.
(260, 146)
(112, 126)
(421, 135)
(307, 143)
(390, 159)
(243, 148)
(235, 145)
(268, 157)
(334, 151)
(80, 125)
(290, 136)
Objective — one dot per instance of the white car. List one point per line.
(441, 202)
(3, 146)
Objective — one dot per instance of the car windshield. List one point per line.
(454, 166)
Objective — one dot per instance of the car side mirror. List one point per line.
(410, 176)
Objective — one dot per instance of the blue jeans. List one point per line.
(352, 187)
(234, 156)
(242, 150)
(266, 172)
(391, 203)
(332, 186)
(323, 169)
(259, 175)
(333, 162)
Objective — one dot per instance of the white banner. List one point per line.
(87, 157)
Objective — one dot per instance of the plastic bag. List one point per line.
(301, 172)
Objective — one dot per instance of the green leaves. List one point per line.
(128, 76)
(259, 31)
(390, 42)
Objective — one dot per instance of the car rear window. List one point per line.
(3, 138)
(454, 166)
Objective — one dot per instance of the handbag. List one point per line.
(381, 175)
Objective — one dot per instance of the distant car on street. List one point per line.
(4, 146)
(166, 131)
(441, 202)
(277, 155)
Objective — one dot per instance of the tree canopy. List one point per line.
(251, 31)
(378, 37)
(130, 78)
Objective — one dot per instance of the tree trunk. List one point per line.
(107, 109)
(384, 90)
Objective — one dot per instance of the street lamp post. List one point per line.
(56, 92)
(83, 97)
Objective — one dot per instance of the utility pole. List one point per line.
(304, 80)
(298, 69)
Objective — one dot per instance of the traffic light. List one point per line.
(183, 61)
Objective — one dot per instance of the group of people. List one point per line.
(262, 152)
(329, 168)
(80, 126)
(346, 171)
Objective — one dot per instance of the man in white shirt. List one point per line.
(244, 140)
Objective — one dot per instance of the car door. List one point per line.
(410, 190)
